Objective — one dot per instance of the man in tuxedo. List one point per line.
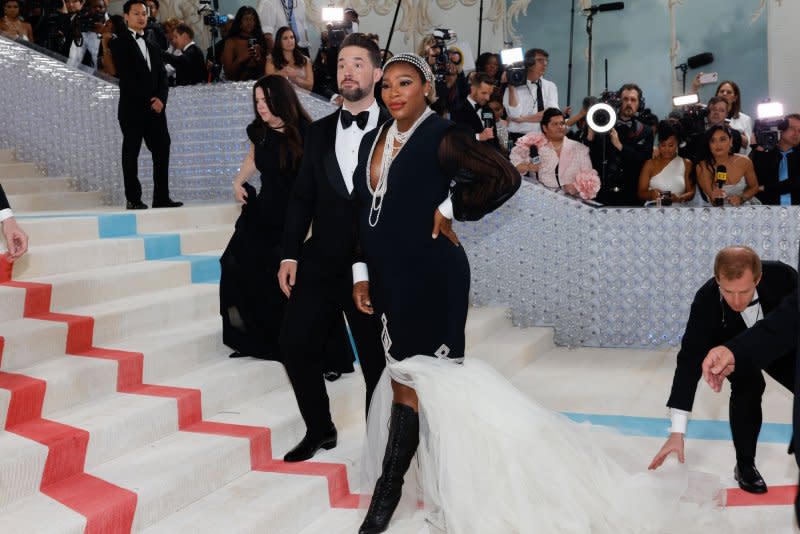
(190, 66)
(744, 289)
(316, 275)
(141, 113)
(474, 113)
(16, 239)
(761, 347)
(778, 168)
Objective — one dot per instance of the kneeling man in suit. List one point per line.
(744, 289)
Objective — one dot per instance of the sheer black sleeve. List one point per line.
(481, 178)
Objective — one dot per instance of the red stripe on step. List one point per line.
(338, 486)
(27, 397)
(37, 297)
(66, 447)
(107, 507)
(777, 495)
(130, 365)
(5, 269)
(2, 346)
(260, 444)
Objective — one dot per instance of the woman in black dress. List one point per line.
(251, 303)
(418, 285)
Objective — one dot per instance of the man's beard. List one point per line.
(355, 94)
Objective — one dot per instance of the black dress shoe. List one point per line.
(749, 479)
(169, 203)
(309, 446)
(332, 376)
(136, 205)
(237, 354)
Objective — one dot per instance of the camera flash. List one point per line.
(770, 110)
(509, 56)
(332, 14)
(685, 100)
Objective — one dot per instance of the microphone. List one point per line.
(608, 6)
(488, 119)
(721, 177)
(534, 154)
(700, 60)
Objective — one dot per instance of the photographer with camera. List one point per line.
(57, 28)
(778, 167)
(527, 99)
(243, 57)
(154, 31)
(89, 23)
(696, 121)
(434, 50)
(619, 154)
(737, 120)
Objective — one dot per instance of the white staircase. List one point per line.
(121, 411)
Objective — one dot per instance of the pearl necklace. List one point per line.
(16, 27)
(390, 152)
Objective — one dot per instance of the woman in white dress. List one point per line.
(12, 25)
(287, 60)
(741, 184)
(667, 172)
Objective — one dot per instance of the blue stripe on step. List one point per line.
(160, 246)
(205, 269)
(116, 225)
(697, 429)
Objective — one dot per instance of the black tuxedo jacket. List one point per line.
(465, 114)
(766, 164)
(137, 83)
(712, 322)
(190, 66)
(3, 200)
(319, 196)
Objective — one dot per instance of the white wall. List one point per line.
(784, 54)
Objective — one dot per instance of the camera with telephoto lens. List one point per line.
(440, 38)
(770, 123)
(211, 16)
(693, 120)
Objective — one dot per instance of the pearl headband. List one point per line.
(420, 64)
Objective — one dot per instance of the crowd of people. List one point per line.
(322, 247)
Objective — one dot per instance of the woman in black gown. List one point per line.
(418, 285)
(251, 303)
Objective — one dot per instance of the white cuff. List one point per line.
(679, 419)
(446, 208)
(288, 259)
(477, 137)
(360, 272)
(6, 214)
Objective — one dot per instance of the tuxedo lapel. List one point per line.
(329, 161)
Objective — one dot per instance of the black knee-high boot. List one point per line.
(400, 449)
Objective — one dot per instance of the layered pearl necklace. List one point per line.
(394, 143)
(16, 27)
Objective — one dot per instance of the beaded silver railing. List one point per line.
(66, 120)
(611, 277)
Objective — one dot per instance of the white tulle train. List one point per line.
(491, 460)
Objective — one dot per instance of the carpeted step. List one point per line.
(37, 184)
(18, 169)
(72, 200)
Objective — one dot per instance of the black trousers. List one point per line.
(745, 405)
(152, 128)
(314, 309)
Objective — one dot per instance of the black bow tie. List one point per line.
(360, 119)
(139, 35)
(753, 303)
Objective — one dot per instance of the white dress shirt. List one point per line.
(273, 16)
(142, 48)
(90, 43)
(6, 214)
(751, 315)
(526, 104)
(348, 140)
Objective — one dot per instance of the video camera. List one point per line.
(769, 124)
(513, 60)
(692, 117)
(336, 26)
(211, 16)
(602, 117)
(441, 36)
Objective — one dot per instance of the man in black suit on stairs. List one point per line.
(142, 101)
(474, 112)
(16, 239)
(190, 66)
(317, 274)
(744, 289)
